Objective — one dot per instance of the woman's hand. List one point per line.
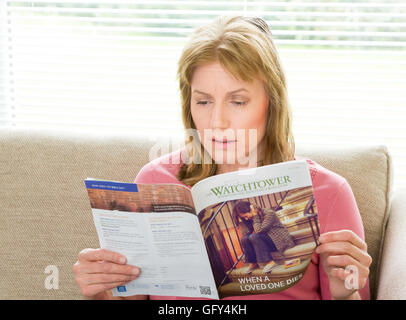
(339, 250)
(254, 211)
(99, 270)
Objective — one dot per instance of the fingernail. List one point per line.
(122, 260)
(136, 271)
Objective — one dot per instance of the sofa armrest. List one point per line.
(392, 274)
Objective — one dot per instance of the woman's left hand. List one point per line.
(254, 211)
(338, 251)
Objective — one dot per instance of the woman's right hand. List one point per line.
(99, 270)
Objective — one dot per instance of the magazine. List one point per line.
(245, 232)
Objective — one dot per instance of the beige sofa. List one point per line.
(45, 217)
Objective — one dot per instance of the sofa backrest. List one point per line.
(46, 219)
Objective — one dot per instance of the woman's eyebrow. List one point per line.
(228, 93)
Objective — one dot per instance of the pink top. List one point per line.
(337, 210)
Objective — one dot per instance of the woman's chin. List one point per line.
(225, 158)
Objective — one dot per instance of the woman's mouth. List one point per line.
(222, 143)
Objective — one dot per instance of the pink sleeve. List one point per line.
(145, 175)
(344, 214)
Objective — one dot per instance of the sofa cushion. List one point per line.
(46, 217)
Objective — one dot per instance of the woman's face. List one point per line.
(224, 109)
(246, 216)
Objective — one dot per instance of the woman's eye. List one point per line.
(239, 103)
(236, 103)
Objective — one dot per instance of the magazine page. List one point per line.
(260, 227)
(155, 226)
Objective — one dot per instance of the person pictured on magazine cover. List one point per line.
(231, 78)
(262, 233)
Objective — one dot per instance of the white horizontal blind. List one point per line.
(3, 51)
(111, 65)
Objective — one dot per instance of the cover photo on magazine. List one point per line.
(261, 244)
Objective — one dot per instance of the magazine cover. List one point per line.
(261, 243)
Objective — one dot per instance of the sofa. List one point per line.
(45, 218)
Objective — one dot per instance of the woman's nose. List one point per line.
(220, 117)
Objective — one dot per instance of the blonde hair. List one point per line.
(244, 47)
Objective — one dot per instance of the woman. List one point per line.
(231, 80)
(262, 233)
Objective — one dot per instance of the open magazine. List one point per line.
(245, 232)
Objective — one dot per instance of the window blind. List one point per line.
(111, 65)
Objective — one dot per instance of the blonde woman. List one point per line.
(231, 80)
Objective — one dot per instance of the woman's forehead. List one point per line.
(211, 79)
